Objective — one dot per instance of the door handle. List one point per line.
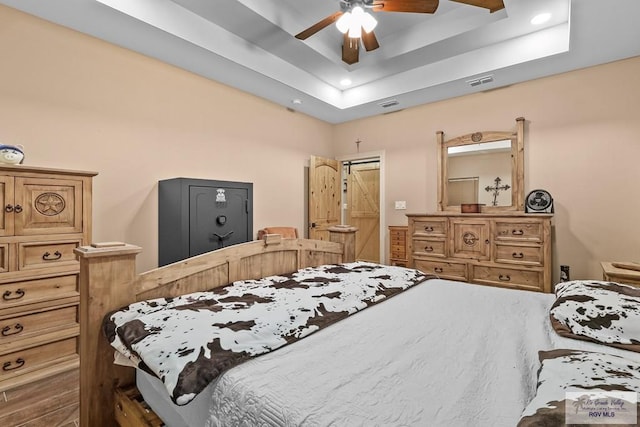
(224, 236)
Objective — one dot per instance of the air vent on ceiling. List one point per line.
(480, 80)
(389, 103)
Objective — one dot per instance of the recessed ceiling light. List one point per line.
(345, 82)
(540, 18)
(296, 101)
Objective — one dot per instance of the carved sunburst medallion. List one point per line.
(476, 137)
(469, 238)
(49, 204)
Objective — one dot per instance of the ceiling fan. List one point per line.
(354, 21)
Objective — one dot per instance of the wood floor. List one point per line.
(52, 402)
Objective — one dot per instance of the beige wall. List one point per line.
(582, 139)
(79, 103)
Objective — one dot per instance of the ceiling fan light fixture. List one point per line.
(343, 22)
(354, 21)
(355, 29)
(368, 22)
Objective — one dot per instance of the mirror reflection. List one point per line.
(480, 173)
(484, 168)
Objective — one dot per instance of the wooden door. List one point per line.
(470, 238)
(47, 206)
(363, 209)
(324, 196)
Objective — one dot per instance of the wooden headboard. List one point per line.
(108, 281)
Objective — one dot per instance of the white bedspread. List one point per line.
(441, 354)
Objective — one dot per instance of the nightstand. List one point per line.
(398, 253)
(620, 275)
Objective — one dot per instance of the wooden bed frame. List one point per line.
(108, 281)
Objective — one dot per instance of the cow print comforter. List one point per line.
(190, 340)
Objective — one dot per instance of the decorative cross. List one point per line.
(496, 189)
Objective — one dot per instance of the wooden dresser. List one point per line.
(398, 245)
(46, 214)
(612, 271)
(511, 250)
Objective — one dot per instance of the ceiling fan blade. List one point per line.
(415, 6)
(369, 41)
(319, 26)
(492, 5)
(350, 49)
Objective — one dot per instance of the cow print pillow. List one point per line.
(563, 371)
(604, 312)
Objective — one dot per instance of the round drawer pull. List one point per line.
(517, 255)
(504, 278)
(19, 363)
(56, 256)
(7, 295)
(8, 208)
(6, 331)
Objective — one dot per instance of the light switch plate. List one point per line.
(401, 204)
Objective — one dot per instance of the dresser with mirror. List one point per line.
(500, 245)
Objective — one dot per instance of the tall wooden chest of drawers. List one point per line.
(507, 250)
(398, 247)
(46, 214)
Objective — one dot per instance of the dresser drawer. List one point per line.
(442, 269)
(430, 227)
(28, 360)
(47, 254)
(15, 330)
(521, 230)
(506, 277)
(397, 236)
(514, 254)
(429, 247)
(398, 251)
(32, 291)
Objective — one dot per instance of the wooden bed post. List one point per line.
(102, 267)
(346, 236)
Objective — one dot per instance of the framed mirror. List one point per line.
(485, 168)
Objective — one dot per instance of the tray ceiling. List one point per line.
(460, 49)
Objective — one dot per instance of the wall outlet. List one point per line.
(401, 204)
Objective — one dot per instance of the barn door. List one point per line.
(324, 196)
(363, 208)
